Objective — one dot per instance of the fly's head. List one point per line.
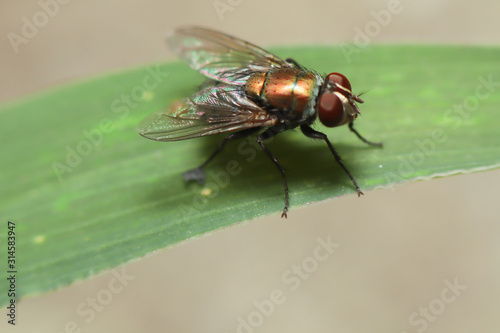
(337, 104)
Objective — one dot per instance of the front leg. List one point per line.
(309, 132)
(351, 127)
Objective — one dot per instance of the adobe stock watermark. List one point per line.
(425, 315)
(120, 108)
(426, 147)
(89, 309)
(221, 7)
(30, 27)
(292, 280)
(363, 36)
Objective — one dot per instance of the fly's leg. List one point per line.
(296, 64)
(309, 132)
(197, 174)
(351, 127)
(260, 139)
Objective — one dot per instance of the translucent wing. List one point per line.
(221, 57)
(214, 109)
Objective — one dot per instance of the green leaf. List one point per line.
(88, 193)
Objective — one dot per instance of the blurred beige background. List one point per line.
(423, 257)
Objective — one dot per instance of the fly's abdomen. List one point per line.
(284, 88)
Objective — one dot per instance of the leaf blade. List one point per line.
(122, 197)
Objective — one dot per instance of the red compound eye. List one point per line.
(330, 109)
(339, 79)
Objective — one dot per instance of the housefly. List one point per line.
(250, 91)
